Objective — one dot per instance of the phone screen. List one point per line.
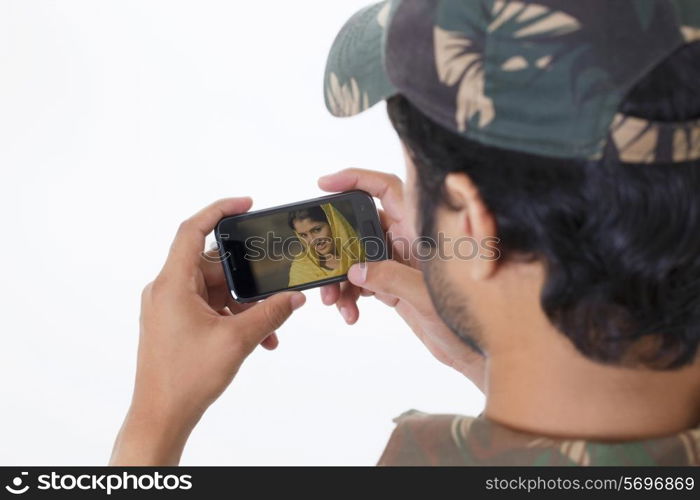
(299, 246)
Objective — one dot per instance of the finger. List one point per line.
(212, 268)
(390, 300)
(384, 219)
(394, 279)
(259, 321)
(330, 294)
(220, 297)
(347, 303)
(366, 293)
(400, 246)
(387, 187)
(215, 279)
(218, 293)
(186, 250)
(238, 307)
(271, 342)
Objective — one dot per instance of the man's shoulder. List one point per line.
(446, 439)
(426, 439)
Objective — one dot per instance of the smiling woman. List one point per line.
(330, 244)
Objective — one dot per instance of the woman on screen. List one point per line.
(330, 244)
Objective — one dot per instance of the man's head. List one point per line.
(620, 243)
(518, 125)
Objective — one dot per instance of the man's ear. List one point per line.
(474, 219)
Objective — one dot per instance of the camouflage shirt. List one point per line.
(453, 440)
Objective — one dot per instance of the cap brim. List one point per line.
(355, 78)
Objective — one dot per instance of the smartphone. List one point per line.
(299, 246)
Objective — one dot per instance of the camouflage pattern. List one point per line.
(453, 440)
(545, 77)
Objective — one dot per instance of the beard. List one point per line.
(450, 304)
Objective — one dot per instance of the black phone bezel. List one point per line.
(359, 198)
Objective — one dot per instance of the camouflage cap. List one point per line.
(544, 77)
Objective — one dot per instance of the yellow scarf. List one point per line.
(306, 267)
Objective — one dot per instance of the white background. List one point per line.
(118, 119)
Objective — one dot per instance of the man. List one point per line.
(562, 140)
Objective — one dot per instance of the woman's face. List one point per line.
(316, 234)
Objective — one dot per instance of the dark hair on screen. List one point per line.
(620, 242)
(316, 214)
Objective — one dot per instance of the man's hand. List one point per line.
(398, 282)
(194, 338)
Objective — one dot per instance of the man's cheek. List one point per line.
(410, 204)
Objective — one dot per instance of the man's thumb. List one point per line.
(256, 323)
(389, 277)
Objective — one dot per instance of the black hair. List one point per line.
(316, 214)
(620, 242)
